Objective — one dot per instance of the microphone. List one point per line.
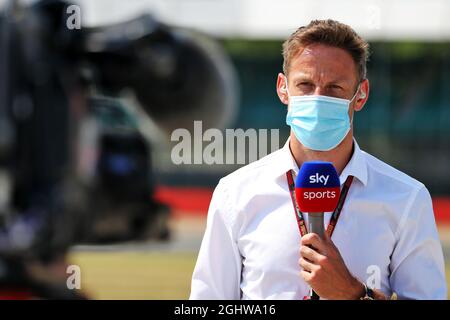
(317, 190)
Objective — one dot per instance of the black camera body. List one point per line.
(54, 78)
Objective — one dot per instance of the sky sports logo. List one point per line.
(316, 178)
(317, 187)
(321, 180)
(311, 195)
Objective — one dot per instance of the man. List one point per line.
(386, 237)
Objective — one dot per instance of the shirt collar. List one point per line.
(356, 167)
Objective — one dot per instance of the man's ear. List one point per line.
(282, 90)
(362, 96)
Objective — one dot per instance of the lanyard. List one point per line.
(334, 216)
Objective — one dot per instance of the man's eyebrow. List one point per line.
(306, 77)
(340, 80)
(302, 77)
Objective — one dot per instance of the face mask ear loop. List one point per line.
(357, 90)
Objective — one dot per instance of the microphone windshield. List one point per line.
(317, 187)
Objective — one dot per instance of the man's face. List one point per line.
(323, 70)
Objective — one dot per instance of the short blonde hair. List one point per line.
(332, 33)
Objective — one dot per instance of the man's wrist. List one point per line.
(358, 290)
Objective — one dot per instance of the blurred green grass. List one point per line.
(135, 275)
(141, 275)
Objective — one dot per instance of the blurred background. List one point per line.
(86, 116)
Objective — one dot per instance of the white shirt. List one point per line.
(386, 233)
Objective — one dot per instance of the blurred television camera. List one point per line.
(75, 165)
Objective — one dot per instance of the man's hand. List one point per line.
(325, 271)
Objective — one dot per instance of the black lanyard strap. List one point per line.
(336, 213)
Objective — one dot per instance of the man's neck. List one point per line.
(339, 156)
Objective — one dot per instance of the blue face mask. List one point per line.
(319, 122)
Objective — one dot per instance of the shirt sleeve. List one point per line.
(217, 273)
(417, 263)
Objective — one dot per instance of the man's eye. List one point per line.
(336, 87)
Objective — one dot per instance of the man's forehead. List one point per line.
(330, 63)
(311, 74)
(320, 51)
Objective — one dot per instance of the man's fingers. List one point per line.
(306, 265)
(310, 254)
(306, 276)
(313, 240)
